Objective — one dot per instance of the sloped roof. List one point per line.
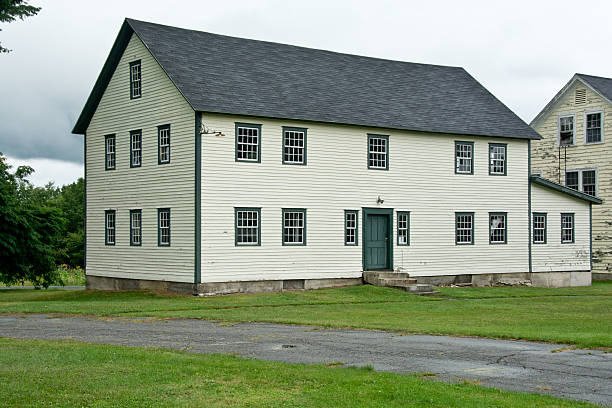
(563, 189)
(600, 85)
(221, 74)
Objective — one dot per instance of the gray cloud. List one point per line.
(522, 51)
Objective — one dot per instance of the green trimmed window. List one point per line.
(497, 159)
(403, 228)
(247, 226)
(110, 152)
(109, 227)
(294, 145)
(163, 227)
(163, 144)
(136, 148)
(294, 226)
(567, 228)
(135, 80)
(498, 228)
(135, 227)
(378, 152)
(464, 228)
(464, 157)
(350, 227)
(248, 142)
(539, 228)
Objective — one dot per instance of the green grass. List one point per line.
(578, 316)
(68, 374)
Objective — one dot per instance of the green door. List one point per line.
(376, 242)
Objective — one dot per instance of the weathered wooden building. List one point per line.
(575, 151)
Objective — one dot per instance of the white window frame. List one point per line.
(291, 229)
(543, 229)
(256, 129)
(351, 227)
(403, 228)
(163, 132)
(573, 228)
(254, 223)
(163, 226)
(472, 228)
(458, 158)
(601, 112)
(134, 150)
(492, 229)
(135, 79)
(580, 178)
(573, 116)
(135, 228)
(292, 150)
(108, 227)
(110, 157)
(378, 152)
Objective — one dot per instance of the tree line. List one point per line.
(40, 227)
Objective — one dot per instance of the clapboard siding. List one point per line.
(553, 256)
(149, 187)
(545, 157)
(420, 179)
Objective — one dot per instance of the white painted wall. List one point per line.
(148, 187)
(555, 256)
(421, 179)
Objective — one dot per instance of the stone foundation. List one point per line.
(216, 288)
(599, 276)
(540, 279)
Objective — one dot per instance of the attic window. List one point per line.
(580, 97)
(135, 80)
(566, 130)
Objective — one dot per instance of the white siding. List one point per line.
(555, 256)
(421, 179)
(149, 187)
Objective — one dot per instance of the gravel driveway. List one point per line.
(511, 365)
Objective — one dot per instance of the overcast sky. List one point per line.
(522, 51)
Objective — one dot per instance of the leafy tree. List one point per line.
(28, 230)
(10, 10)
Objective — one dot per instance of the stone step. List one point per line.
(397, 282)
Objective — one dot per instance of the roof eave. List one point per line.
(566, 190)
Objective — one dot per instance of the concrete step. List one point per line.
(397, 282)
(373, 277)
(421, 289)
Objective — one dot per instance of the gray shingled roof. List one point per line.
(600, 84)
(231, 75)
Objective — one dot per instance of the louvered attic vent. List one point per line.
(580, 96)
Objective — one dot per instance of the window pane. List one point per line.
(567, 228)
(497, 159)
(136, 149)
(402, 228)
(497, 228)
(293, 227)
(566, 131)
(294, 146)
(464, 228)
(164, 227)
(377, 152)
(164, 144)
(593, 128)
(135, 226)
(463, 157)
(247, 227)
(571, 179)
(247, 143)
(350, 228)
(589, 182)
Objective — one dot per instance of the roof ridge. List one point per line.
(130, 20)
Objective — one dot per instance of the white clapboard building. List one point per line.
(217, 164)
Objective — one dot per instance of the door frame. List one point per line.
(377, 211)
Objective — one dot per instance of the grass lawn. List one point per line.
(579, 316)
(68, 374)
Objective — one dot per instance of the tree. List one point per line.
(10, 10)
(28, 230)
